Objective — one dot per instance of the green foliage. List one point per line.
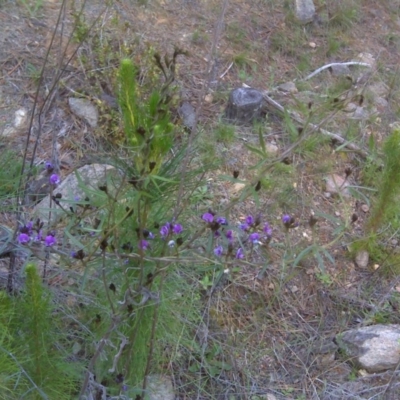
(10, 170)
(147, 125)
(32, 6)
(32, 356)
(389, 187)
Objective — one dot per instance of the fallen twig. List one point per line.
(360, 64)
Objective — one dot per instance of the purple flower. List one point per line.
(151, 235)
(229, 235)
(54, 179)
(143, 244)
(208, 217)
(218, 251)
(267, 230)
(177, 229)
(286, 218)
(164, 231)
(38, 237)
(48, 166)
(221, 221)
(249, 220)
(23, 238)
(254, 237)
(239, 254)
(50, 240)
(244, 227)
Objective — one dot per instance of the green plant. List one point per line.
(388, 188)
(10, 170)
(33, 352)
(32, 6)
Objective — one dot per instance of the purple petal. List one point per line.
(177, 229)
(208, 217)
(239, 253)
(249, 220)
(218, 251)
(23, 238)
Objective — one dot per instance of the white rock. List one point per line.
(160, 387)
(288, 87)
(84, 109)
(20, 118)
(375, 348)
(305, 10)
(336, 184)
(91, 175)
(362, 259)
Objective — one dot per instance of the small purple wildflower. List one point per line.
(239, 254)
(23, 238)
(54, 179)
(164, 231)
(249, 220)
(50, 241)
(254, 237)
(286, 218)
(229, 235)
(221, 221)
(177, 229)
(143, 244)
(217, 234)
(244, 227)
(48, 166)
(218, 251)
(38, 237)
(208, 217)
(267, 230)
(151, 235)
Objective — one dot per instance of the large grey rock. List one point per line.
(245, 105)
(71, 189)
(375, 348)
(84, 109)
(305, 10)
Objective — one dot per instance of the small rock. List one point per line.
(237, 187)
(288, 87)
(327, 195)
(336, 184)
(368, 59)
(20, 118)
(350, 107)
(364, 208)
(375, 348)
(360, 113)
(84, 109)
(160, 387)
(362, 259)
(188, 114)
(208, 98)
(305, 10)
(272, 148)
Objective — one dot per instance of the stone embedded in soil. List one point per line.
(160, 387)
(20, 118)
(188, 114)
(288, 87)
(91, 175)
(362, 259)
(245, 106)
(305, 10)
(375, 348)
(336, 184)
(85, 110)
